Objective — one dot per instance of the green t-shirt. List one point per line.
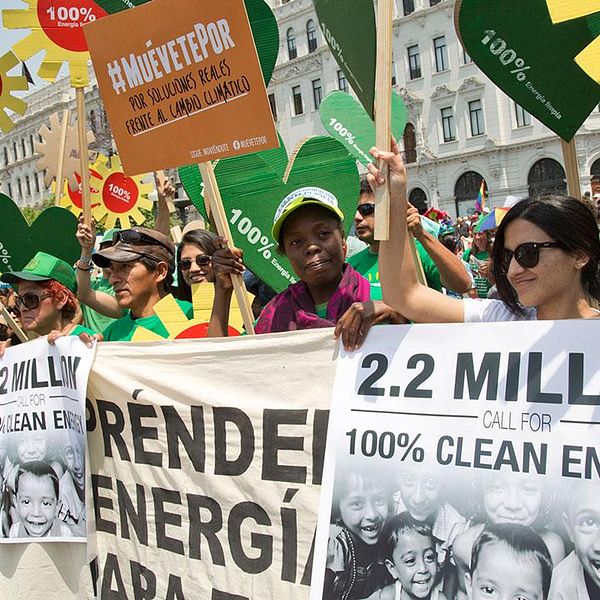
(122, 329)
(367, 264)
(91, 318)
(81, 329)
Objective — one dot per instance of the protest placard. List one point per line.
(447, 438)
(206, 465)
(345, 120)
(179, 83)
(53, 231)
(8, 85)
(42, 441)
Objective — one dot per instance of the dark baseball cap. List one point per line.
(135, 243)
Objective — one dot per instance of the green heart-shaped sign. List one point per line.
(534, 51)
(262, 22)
(191, 179)
(349, 30)
(52, 232)
(252, 190)
(346, 121)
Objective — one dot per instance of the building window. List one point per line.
(410, 144)
(24, 151)
(297, 95)
(466, 189)
(36, 183)
(476, 118)
(342, 81)
(311, 35)
(31, 143)
(5, 151)
(273, 106)
(448, 124)
(466, 59)
(28, 185)
(546, 177)
(408, 6)
(522, 116)
(317, 93)
(434, 2)
(418, 199)
(10, 190)
(291, 44)
(393, 70)
(19, 189)
(15, 155)
(441, 53)
(414, 62)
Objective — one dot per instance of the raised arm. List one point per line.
(166, 194)
(453, 274)
(225, 261)
(397, 273)
(103, 303)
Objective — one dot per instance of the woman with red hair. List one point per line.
(46, 299)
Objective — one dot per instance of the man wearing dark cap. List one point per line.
(142, 262)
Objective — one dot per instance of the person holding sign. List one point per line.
(97, 296)
(309, 231)
(441, 267)
(142, 263)
(545, 261)
(46, 297)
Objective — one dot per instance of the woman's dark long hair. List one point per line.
(205, 240)
(566, 220)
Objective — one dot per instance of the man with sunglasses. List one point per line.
(142, 263)
(441, 267)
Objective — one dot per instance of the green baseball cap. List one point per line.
(43, 267)
(109, 235)
(299, 198)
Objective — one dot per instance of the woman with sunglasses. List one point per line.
(45, 298)
(194, 261)
(545, 260)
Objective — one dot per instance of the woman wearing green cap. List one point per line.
(45, 298)
(308, 228)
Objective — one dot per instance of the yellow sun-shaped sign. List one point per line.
(120, 197)
(49, 150)
(566, 10)
(71, 199)
(8, 85)
(56, 27)
(180, 327)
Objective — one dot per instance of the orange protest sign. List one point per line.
(181, 83)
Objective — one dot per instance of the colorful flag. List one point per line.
(481, 196)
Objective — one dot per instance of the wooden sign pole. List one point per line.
(83, 156)
(570, 157)
(13, 324)
(61, 152)
(383, 111)
(213, 195)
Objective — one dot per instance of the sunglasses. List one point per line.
(366, 209)
(30, 301)
(527, 254)
(201, 260)
(137, 238)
